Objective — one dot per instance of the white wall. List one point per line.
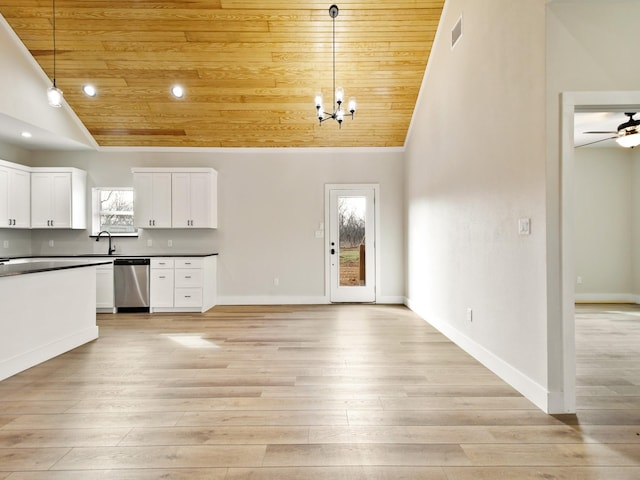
(271, 202)
(605, 220)
(635, 234)
(475, 165)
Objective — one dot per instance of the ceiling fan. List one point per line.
(627, 135)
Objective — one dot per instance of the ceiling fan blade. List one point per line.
(602, 133)
(597, 141)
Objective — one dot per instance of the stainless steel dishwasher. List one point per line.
(131, 284)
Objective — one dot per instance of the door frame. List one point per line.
(327, 240)
(562, 352)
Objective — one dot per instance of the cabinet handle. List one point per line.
(187, 296)
(187, 276)
(162, 276)
(14, 221)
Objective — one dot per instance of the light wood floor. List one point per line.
(331, 392)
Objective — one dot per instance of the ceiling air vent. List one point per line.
(456, 32)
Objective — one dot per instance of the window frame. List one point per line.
(96, 212)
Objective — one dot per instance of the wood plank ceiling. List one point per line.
(250, 68)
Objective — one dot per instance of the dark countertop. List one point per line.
(104, 255)
(38, 267)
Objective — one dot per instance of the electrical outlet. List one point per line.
(276, 281)
(169, 243)
(470, 314)
(579, 280)
(5, 244)
(149, 243)
(51, 243)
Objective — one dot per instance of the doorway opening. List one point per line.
(565, 362)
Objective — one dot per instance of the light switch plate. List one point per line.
(524, 226)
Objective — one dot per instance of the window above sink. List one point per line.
(112, 211)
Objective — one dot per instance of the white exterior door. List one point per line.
(351, 244)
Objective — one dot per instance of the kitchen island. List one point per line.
(46, 308)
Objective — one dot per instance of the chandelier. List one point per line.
(54, 94)
(338, 112)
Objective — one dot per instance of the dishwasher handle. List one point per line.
(132, 261)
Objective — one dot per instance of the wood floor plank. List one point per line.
(15, 459)
(126, 474)
(191, 456)
(219, 435)
(75, 437)
(338, 473)
(323, 392)
(543, 473)
(553, 454)
(365, 454)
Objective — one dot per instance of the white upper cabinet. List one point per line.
(194, 200)
(58, 198)
(15, 196)
(175, 197)
(152, 201)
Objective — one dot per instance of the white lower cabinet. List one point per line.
(104, 288)
(183, 284)
(161, 283)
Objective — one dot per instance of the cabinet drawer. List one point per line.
(189, 262)
(188, 297)
(162, 263)
(188, 277)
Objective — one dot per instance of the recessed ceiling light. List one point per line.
(26, 135)
(177, 91)
(89, 90)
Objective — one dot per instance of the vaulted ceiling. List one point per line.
(250, 68)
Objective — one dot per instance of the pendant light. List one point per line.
(54, 94)
(338, 112)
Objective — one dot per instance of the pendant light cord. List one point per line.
(54, 43)
(334, 59)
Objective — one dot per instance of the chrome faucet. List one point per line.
(111, 250)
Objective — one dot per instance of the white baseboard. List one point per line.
(19, 363)
(534, 392)
(272, 300)
(607, 298)
(294, 300)
(390, 300)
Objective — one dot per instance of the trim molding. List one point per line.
(532, 390)
(295, 300)
(607, 298)
(272, 300)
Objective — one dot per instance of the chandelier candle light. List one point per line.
(54, 94)
(338, 113)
